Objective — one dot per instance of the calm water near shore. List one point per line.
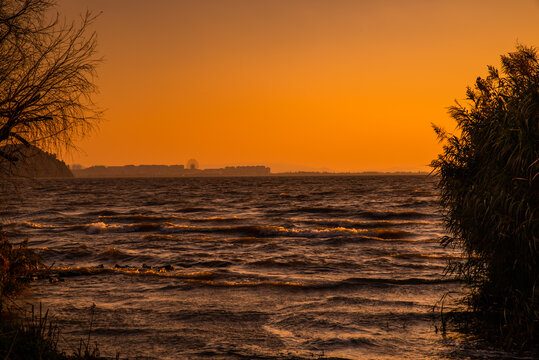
(243, 268)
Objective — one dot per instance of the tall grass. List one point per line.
(489, 181)
(36, 336)
(30, 337)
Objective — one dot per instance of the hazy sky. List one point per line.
(296, 84)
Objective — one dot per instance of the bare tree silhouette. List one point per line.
(47, 72)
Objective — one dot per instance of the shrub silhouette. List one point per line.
(489, 181)
(17, 265)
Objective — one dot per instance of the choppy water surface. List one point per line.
(345, 267)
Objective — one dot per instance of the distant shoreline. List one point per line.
(173, 171)
(363, 173)
(273, 175)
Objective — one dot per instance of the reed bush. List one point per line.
(18, 264)
(489, 181)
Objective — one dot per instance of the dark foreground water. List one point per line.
(243, 268)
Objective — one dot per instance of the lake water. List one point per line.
(243, 268)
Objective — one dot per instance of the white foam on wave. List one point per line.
(36, 225)
(318, 232)
(256, 230)
(98, 227)
(369, 223)
(265, 230)
(272, 230)
(172, 217)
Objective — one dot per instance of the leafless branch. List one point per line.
(47, 73)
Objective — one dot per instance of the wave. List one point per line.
(47, 212)
(293, 196)
(348, 283)
(417, 203)
(213, 279)
(321, 265)
(112, 252)
(33, 225)
(346, 300)
(163, 218)
(157, 271)
(217, 219)
(324, 192)
(195, 209)
(284, 263)
(104, 213)
(360, 223)
(418, 192)
(142, 217)
(203, 278)
(158, 237)
(320, 209)
(333, 343)
(309, 210)
(246, 240)
(99, 227)
(425, 256)
(93, 228)
(280, 231)
(213, 263)
(270, 230)
(391, 233)
(388, 281)
(344, 240)
(96, 228)
(386, 215)
(235, 284)
(249, 230)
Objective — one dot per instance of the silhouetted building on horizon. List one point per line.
(130, 171)
(192, 164)
(99, 171)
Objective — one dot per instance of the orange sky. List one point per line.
(347, 85)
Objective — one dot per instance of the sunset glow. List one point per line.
(295, 85)
(269, 179)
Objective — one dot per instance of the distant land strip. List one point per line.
(167, 171)
(228, 171)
